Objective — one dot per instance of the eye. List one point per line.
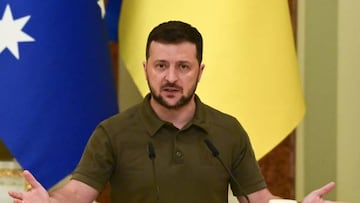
(184, 67)
(160, 66)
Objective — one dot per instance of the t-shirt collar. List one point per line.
(153, 123)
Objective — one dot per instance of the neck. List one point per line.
(178, 117)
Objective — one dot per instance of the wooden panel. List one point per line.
(278, 168)
(4, 152)
(104, 197)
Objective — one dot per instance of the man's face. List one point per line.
(172, 72)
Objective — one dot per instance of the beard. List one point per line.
(183, 101)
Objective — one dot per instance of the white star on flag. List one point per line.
(11, 32)
(101, 4)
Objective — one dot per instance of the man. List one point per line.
(155, 151)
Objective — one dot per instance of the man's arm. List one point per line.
(261, 196)
(72, 192)
(316, 196)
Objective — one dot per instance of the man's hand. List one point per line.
(37, 194)
(316, 196)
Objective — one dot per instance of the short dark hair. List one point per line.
(176, 32)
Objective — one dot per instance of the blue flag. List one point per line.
(56, 82)
(113, 10)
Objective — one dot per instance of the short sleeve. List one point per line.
(245, 168)
(97, 162)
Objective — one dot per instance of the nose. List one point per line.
(171, 75)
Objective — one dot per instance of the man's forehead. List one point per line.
(184, 46)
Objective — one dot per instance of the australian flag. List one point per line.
(56, 82)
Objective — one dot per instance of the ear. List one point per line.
(144, 65)
(202, 66)
(145, 69)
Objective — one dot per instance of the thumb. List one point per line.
(325, 189)
(31, 179)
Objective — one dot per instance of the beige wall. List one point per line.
(349, 100)
(329, 56)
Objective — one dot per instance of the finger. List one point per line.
(31, 179)
(325, 189)
(17, 201)
(15, 194)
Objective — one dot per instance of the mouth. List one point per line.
(171, 89)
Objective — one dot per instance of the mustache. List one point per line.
(171, 85)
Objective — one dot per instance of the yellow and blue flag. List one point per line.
(56, 82)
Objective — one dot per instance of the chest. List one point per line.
(181, 159)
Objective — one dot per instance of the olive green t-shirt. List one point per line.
(183, 170)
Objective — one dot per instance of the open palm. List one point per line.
(316, 196)
(37, 194)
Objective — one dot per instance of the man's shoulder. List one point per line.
(123, 118)
(213, 113)
(222, 123)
